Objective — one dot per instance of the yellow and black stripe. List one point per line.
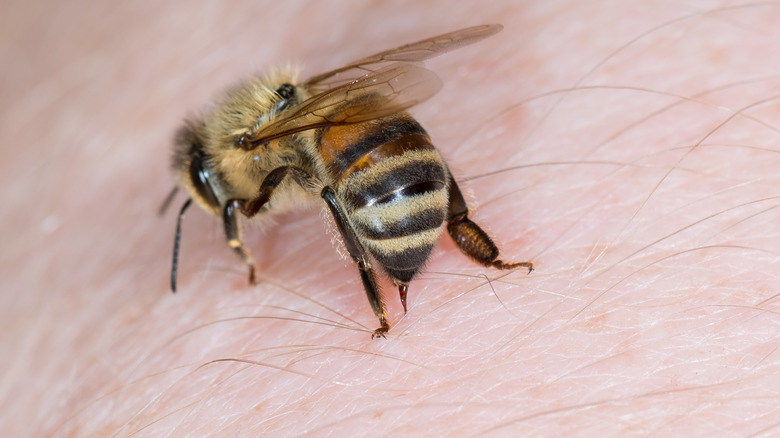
(393, 184)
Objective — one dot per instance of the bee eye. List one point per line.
(286, 92)
(200, 175)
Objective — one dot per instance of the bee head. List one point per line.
(193, 169)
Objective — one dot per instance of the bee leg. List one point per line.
(269, 184)
(250, 208)
(233, 234)
(470, 238)
(360, 257)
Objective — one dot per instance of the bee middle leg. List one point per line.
(470, 238)
(360, 257)
(250, 207)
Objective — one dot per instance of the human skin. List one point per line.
(628, 149)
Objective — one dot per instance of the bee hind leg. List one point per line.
(250, 208)
(360, 257)
(470, 238)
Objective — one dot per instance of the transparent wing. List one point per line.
(379, 94)
(414, 52)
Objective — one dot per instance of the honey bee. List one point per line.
(343, 135)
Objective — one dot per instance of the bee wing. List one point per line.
(382, 93)
(414, 52)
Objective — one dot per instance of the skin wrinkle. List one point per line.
(628, 149)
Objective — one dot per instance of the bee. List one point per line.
(343, 135)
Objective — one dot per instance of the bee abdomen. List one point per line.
(398, 206)
(373, 226)
(352, 148)
(393, 184)
(401, 235)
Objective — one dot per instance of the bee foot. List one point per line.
(380, 332)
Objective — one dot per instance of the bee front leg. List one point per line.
(250, 208)
(269, 184)
(233, 234)
(360, 257)
(470, 238)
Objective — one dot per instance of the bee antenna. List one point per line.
(176, 240)
(164, 207)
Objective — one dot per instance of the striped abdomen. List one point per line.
(393, 185)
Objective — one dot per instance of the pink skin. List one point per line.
(646, 199)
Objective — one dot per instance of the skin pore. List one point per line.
(628, 149)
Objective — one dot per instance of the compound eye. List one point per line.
(286, 92)
(200, 176)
